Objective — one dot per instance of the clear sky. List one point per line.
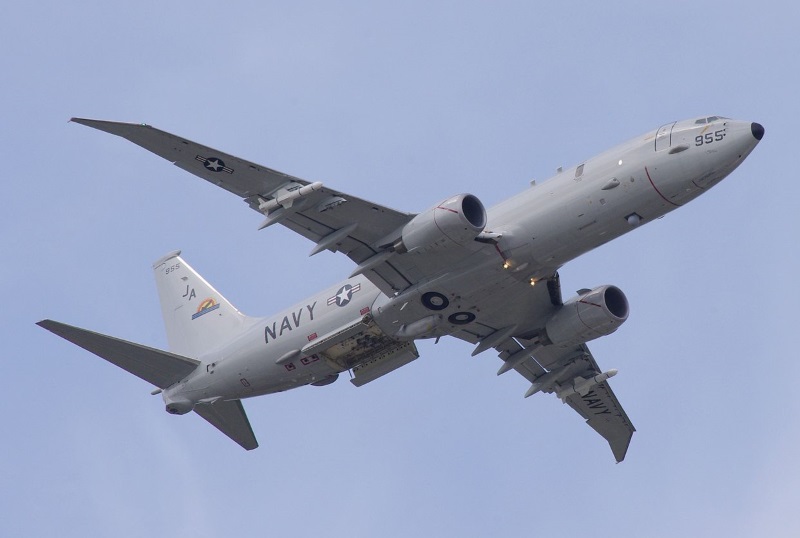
(402, 103)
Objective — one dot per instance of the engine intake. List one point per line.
(456, 220)
(598, 312)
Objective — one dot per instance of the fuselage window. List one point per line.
(579, 171)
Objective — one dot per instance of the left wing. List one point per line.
(563, 371)
(331, 219)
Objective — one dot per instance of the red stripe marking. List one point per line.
(658, 191)
(447, 209)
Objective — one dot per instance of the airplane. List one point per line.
(488, 277)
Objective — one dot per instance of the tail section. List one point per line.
(197, 317)
(229, 418)
(198, 320)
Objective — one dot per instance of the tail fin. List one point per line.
(197, 317)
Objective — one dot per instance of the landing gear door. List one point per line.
(664, 136)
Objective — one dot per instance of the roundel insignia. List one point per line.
(434, 301)
(461, 318)
(214, 164)
(344, 295)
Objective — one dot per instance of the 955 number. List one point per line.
(709, 138)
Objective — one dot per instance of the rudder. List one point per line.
(197, 317)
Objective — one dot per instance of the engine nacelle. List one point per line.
(459, 220)
(598, 312)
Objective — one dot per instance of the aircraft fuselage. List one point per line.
(539, 230)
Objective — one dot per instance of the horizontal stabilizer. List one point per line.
(160, 368)
(229, 418)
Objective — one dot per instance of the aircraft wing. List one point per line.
(553, 367)
(331, 219)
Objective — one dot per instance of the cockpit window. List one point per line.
(709, 119)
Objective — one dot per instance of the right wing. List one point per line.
(331, 219)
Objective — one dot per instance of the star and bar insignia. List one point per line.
(214, 164)
(344, 295)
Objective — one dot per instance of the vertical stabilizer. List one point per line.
(197, 317)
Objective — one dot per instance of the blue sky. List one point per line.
(403, 105)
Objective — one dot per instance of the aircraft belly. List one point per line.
(263, 376)
(341, 336)
(467, 301)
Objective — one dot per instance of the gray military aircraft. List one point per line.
(487, 277)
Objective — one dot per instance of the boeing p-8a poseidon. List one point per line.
(487, 277)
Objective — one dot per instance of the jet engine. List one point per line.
(458, 219)
(589, 315)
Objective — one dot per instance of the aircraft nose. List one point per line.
(757, 129)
